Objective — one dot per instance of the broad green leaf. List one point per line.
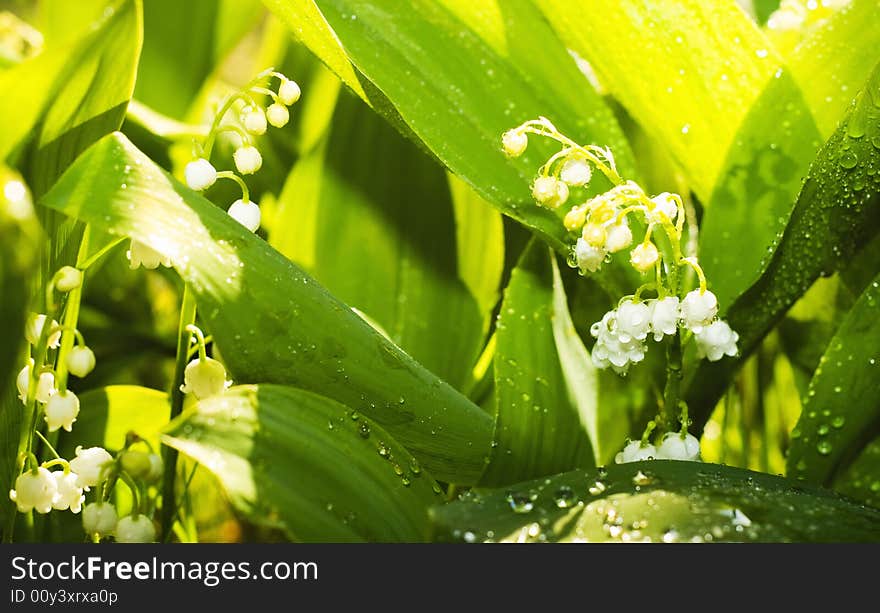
(272, 322)
(757, 188)
(842, 407)
(61, 21)
(108, 414)
(383, 240)
(658, 501)
(19, 241)
(479, 239)
(687, 71)
(836, 214)
(458, 91)
(835, 59)
(308, 465)
(310, 28)
(861, 479)
(538, 399)
(183, 42)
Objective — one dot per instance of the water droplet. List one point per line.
(597, 488)
(383, 450)
(838, 421)
(823, 429)
(824, 447)
(364, 430)
(469, 537)
(520, 503)
(565, 497)
(848, 159)
(642, 478)
(414, 467)
(354, 416)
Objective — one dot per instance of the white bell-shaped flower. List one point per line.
(247, 160)
(68, 279)
(254, 120)
(289, 92)
(136, 463)
(636, 452)
(34, 490)
(674, 447)
(576, 172)
(514, 142)
(68, 494)
(80, 361)
(246, 213)
(665, 203)
(698, 309)
(716, 340)
(200, 174)
(135, 529)
(100, 518)
(633, 321)
(609, 350)
(23, 380)
(139, 254)
(278, 115)
(595, 234)
(619, 237)
(664, 316)
(544, 190)
(589, 258)
(61, 411)
(644, 256)
(89, 464)
(204, 378)
(34, 328)
(46, 386)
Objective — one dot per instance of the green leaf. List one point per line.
(272, 322)
(380, 235)
(836, 213)
(861, 479)
(687, 71)
(459, 85)
(538, 399)
(308, 465)
(757, 189)
(835, 59)
(658, 501)
(842, 407)
(107, 414)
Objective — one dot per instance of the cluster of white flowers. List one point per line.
(621, 336)
(673, 446)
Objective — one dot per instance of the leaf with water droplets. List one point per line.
(271, 450)
(657, 501)
(841, 411)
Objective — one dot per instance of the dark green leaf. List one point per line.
(271, 321)
(836, 213)
(658, 501)
(545, 384)
(861, 480)
(308, 465)
(842, 408)
(378, 231)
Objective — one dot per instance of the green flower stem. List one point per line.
(187, 318)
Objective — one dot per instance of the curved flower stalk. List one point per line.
(660, 310)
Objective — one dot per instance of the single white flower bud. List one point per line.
(575, 218)
(546, 191)
(135, 529)
(698, 309)
(254, 120)
(80, 361)
(635, 452)
(61, 411)
(200, 174)
(664, 316)
(665, 203)
(140, 254)
(619, 237)
(68, 279)
(23, 380)
(278, 115)
(595, 234)
(246, 213)
(46, 387)
(716, 340)
(136, 463)
(88, 465)
(514, 143)
(68, 494)
(633, 321)
(576, 172)
(247, 160)
(34, 328)
(289, 92)
(204, 378)
(99, 518)
(644, 256)
(34, 490)
(674, 447)
(589, 258)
